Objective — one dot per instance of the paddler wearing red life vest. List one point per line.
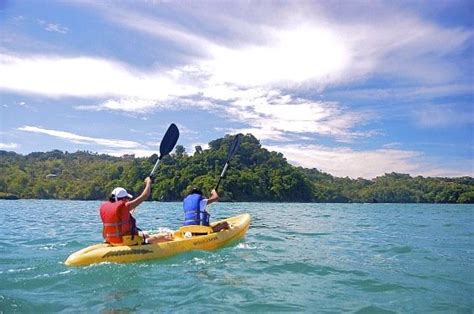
(119, 226)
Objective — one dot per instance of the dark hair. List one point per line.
(196, 191)
(112, 198)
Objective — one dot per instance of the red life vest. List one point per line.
(117, 221)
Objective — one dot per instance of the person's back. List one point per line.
(194, 206)
(119, 226)
(195, 212)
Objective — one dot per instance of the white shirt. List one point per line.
(203, 204)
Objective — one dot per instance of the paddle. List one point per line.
(232, 150)
(167, 144)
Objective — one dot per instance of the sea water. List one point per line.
(314, 258)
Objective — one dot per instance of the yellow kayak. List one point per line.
(186, 238)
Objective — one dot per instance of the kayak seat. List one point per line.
(196, 229)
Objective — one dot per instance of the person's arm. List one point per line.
(145, 194)
(213, 198)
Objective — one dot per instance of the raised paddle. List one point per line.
(232, 150)
(167, 144)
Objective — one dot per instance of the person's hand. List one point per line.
(148, 180)
(214, 193)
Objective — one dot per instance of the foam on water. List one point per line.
(245, 246)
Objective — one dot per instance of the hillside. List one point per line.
(255, 174)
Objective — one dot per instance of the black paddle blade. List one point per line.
(169, 140)
(234, 146)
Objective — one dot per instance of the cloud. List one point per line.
(271, 114)
(151, 25)
(368, 164)
(348, 162)
(300, 54)
(86, 77)
(255, 80)
(85, 140)
(8, 145)
(53, 27)
(308, 47)
(301, 42)
(137, 105)
(440, 116)
(269, 111)
(405, 94)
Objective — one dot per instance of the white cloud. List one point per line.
(442, 116)
(256, 81)
(360, 163)
(312, 42)
(86, 77)
(79, 139)
(125, 104)
(268, 110)
(8, 145)
(53, 27)
(296, 55)
(393, 145)
(413, 93)
(271, 114)
(308, 43)
(348, 162)
(298, 50)
(154, 26)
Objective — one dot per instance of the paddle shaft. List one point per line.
(155, 166)
(232, 150)
(222, 175)
(166, 146)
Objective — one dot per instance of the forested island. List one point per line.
(255, 174)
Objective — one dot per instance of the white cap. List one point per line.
(120, 192)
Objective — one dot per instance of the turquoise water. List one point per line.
(318, 258)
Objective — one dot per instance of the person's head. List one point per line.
(195, 190)
(119, 194)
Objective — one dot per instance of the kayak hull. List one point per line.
(104, 252)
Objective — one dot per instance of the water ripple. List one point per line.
(311, 258)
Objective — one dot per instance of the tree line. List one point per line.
(255, 174)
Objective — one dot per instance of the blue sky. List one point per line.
(354, 88)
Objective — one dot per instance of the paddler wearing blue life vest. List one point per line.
(195, 212)
(119, 226)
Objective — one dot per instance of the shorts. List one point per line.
(140, 238)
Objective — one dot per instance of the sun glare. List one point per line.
(295, 56)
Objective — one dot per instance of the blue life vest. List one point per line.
(193, 215)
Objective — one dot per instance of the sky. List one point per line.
(352, 88)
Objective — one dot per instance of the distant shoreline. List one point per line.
(254, 175)
(229, 202)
